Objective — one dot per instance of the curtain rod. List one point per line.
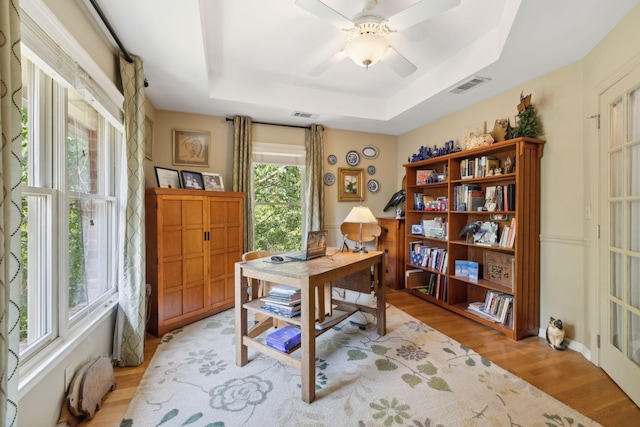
(229, 119)
(106, 23)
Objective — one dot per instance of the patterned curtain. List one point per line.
(242, 173)
(128, 346)
(314, 202)
(10, 207)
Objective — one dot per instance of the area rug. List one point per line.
(413, 376)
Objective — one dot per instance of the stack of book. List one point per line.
(496, 307)
(284, 339)
(282, 300)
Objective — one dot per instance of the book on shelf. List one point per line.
(337, 316)
(461, 268)
(283, 307)
(495, 306)
(284, 293)
(512, 233)
(473, 269)
(281, 301)
(284, 339)
(279, 311)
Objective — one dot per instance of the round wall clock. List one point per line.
(370, 152)
(329, 178)
(353, 158)
(371, 170)
(373, 186)
(332, 159)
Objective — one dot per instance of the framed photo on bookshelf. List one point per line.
(417, 229)
(498, 268)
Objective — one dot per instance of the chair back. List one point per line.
(370, 232)
(262, 287)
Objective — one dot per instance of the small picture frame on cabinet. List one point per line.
(212, 181)
(167, 178)
(192, 180)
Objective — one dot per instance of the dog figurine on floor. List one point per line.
(555, 334)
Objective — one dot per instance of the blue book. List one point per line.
(284, 339)
(462, 268)
(473, 269)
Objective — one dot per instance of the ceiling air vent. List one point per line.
(468, 84)
(303, 115)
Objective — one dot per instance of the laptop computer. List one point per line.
(316, 247)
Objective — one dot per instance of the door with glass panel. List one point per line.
(619, 243)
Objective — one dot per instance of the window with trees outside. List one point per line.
(73, 160)
(278, 194)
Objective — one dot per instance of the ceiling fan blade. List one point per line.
(398, 63)
(330, 62)
(419, 12)
(322, 11)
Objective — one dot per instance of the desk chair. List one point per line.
(362, 281)
(370, 232)
(259, 288)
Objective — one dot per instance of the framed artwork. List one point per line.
(213, 181)
(498, 268)
(192, 180)
(148, 138)
(190, 147)
(350, 184)
(167, 178)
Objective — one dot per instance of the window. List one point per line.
(278, 194)
(72, 144)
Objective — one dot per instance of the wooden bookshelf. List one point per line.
(443, 202)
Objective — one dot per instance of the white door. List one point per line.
(619, 243)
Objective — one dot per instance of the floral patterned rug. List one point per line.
(413, 376)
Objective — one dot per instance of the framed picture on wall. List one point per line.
(212, 181)
(190, 147)
(167, 178)
(350, 184)
(192, 180)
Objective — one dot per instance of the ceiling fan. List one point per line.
(366, 31)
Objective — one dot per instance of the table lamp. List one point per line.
(361, 215)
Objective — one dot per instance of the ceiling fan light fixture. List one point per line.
(366, 49)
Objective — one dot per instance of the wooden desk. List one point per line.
(310, 277)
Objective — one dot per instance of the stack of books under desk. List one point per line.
(282, 300)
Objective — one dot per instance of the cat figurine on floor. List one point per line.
(555, 334)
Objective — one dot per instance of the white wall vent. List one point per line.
(468, 84)
(302, 115)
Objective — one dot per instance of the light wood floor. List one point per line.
(565, 375)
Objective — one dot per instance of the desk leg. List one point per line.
(308, 341)
(241, 317)
(381, 300)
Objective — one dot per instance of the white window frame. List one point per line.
(49, 45)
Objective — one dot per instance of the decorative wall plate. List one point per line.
(332, 159)
(329, 178)
(370, 152)
(353, 158)
(371, 170)
(373, 186)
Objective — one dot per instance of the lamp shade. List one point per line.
(361, 215)
(366, 49)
